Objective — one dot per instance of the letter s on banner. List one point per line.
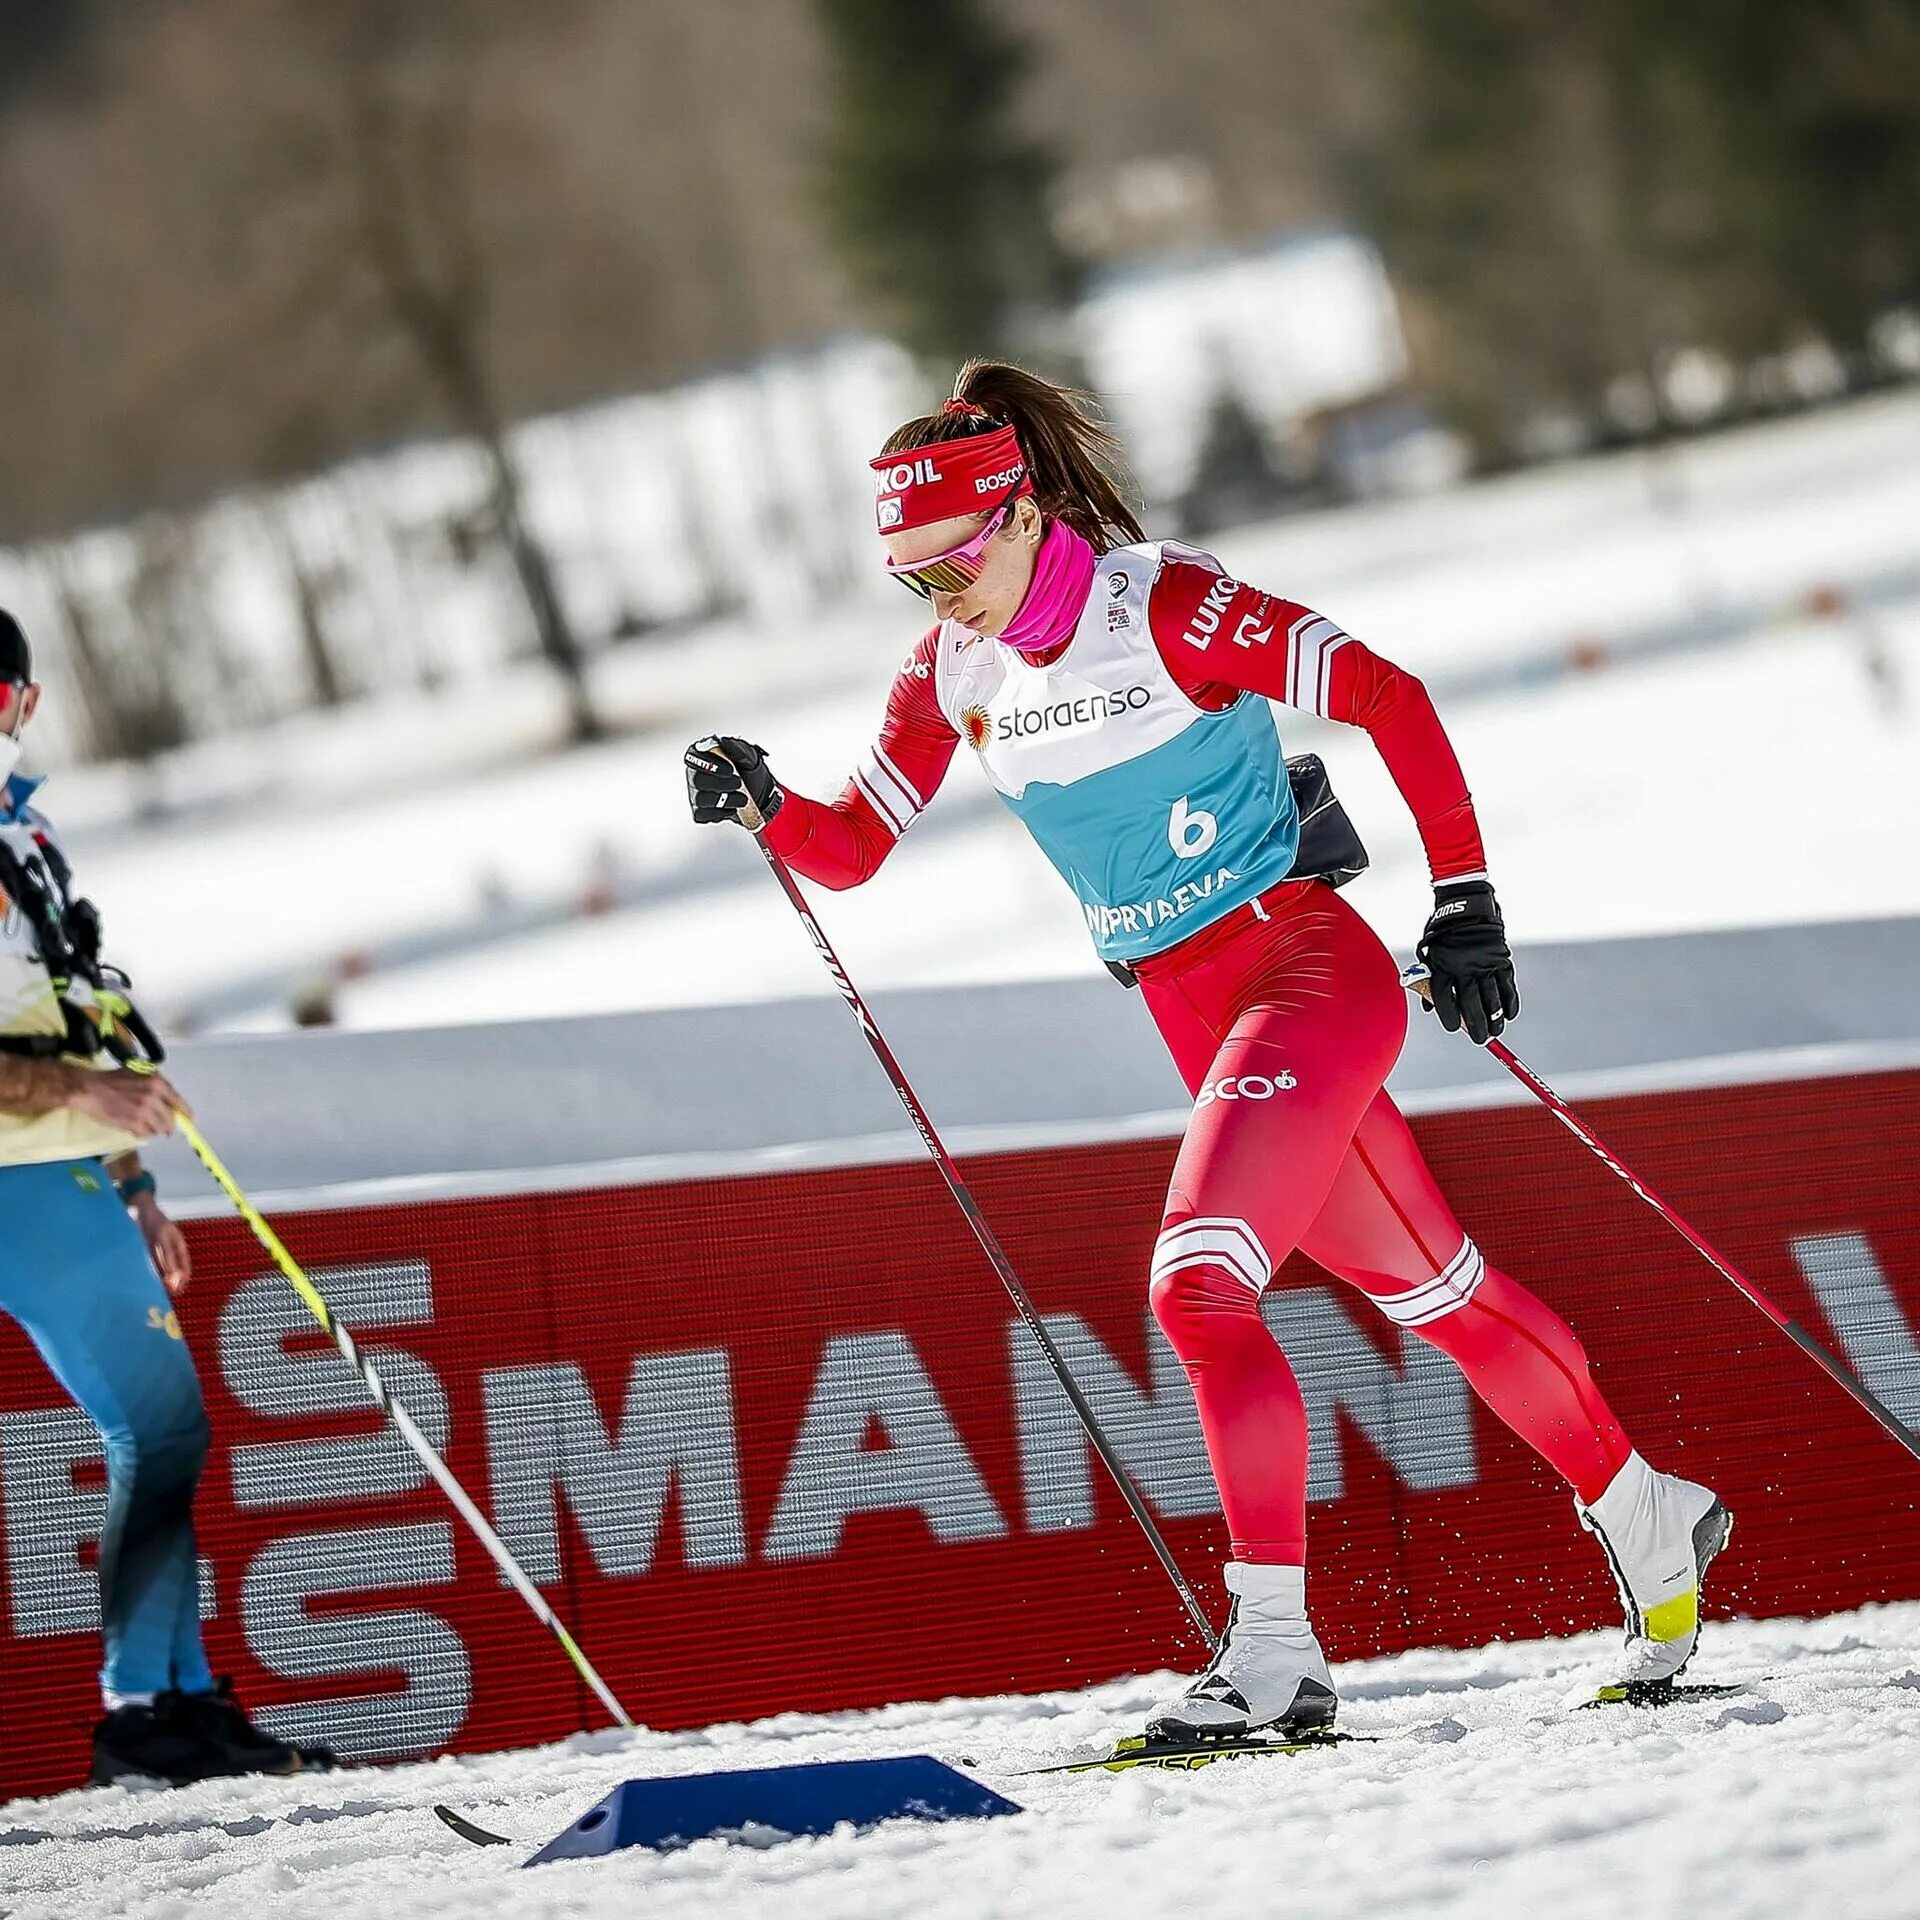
(420, 1646)
(278, 1383)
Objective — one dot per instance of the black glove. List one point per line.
(725, 774)
(1465, 950)
(83, 930)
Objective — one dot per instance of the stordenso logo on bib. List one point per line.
(1160, 815)
(1066, 716)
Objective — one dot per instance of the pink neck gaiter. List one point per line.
(1062, 579)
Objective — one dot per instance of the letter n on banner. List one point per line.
(1419, 1414)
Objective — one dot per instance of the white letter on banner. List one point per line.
(50, 1519)
(1419, 1415)
(255, 1325)
(1860, 1306)
(545, 1437)
(289, 1640)
(1156, 1432)
(866, 1378)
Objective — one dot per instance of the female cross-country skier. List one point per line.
(1115, 691)
(90, 1266)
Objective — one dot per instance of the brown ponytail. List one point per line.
(1072, 455)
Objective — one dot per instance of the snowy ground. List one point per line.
(1480, 1797)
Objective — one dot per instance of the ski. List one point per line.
(1139, 1750)
(1183, 1756)
(460, 1824)
(1659, 1693)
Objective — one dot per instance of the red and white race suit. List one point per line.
(1284, 1014)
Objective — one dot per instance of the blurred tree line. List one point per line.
(241, 238)
(1572, 198)
(611, 194)
(1572, 194)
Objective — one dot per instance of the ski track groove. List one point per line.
(1481, 1798)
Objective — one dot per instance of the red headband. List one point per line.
(949, 478)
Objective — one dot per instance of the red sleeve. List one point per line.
(1219, 638)
(843, 844)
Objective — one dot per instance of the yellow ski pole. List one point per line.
(403, 1421)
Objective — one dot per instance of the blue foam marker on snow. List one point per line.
(765, 1805)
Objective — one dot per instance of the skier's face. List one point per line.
(17, 704)
(1006, 569)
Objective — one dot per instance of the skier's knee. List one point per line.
(166, 1448)
(1427, 1307)
(1208, 1274)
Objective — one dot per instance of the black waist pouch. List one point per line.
(1329, 848)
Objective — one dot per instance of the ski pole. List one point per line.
(1415, 980)
(403, 1421)
(982, 1232)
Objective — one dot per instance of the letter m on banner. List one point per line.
(675, 1436)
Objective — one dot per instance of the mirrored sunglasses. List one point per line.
(955, 570)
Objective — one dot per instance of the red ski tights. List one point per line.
(1284, 1028)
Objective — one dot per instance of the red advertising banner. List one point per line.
(780, 1443)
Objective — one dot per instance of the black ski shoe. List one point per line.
(216, 1721)
(145, 1743)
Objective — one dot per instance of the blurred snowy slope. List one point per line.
(1743, 745)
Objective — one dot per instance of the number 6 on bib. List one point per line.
(1190, 834)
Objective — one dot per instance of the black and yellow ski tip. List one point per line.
(1659, 1693)
(1180, 1756)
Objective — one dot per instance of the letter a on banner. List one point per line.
(866, 1378)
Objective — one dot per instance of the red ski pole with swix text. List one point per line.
(982, 1232)
(1415, 981)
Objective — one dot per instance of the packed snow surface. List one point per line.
(1481, 1794)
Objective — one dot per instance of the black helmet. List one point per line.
(16, 657)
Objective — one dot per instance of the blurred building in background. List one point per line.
(1239, 379)
(454, 333)
(401, 390)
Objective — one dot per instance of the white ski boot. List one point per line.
(1659, 1533)
(1269, 1676)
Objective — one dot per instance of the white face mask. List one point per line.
(10, 741)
